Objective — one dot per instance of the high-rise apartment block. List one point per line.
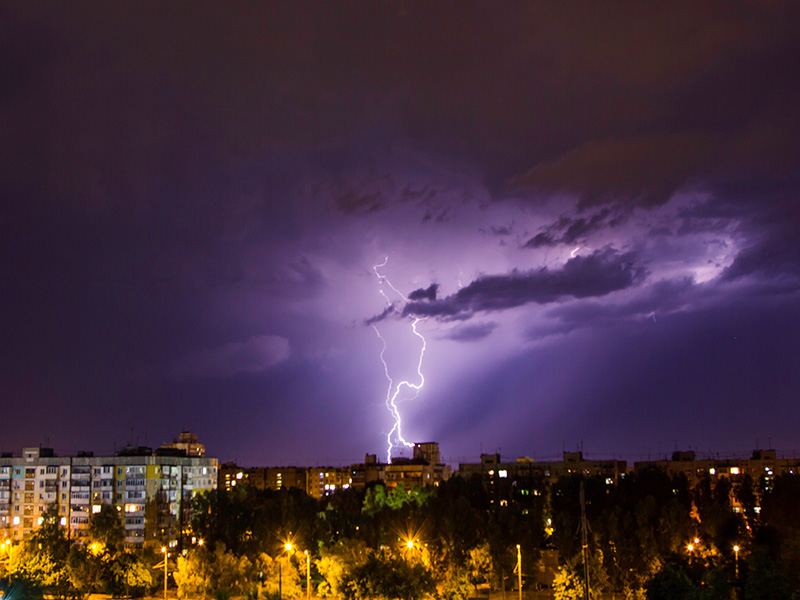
(151, 490)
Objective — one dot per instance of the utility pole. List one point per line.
(519, 570)
(584, 545)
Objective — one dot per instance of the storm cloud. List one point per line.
(601, 273)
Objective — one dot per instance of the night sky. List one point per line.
(592, 208)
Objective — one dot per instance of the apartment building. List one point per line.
(423, 469)
(262, 478)
(151, 490)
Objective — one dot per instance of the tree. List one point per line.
(765, 580)
(131, 575)
(670, 583)
(336, 562)
(41, 560)
(389, 577)
(569, 582)
(205, 572)
(106, 528)
(480, 564)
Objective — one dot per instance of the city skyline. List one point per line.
(222, 219)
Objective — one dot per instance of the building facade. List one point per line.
(152, 492)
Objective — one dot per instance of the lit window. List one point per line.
(63, 521)
(734, 470)
(39, 521)
(502, 473)
(96, 508)
(239, 475)
(15, 521)
(712, 471)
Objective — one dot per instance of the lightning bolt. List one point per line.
(395, 436)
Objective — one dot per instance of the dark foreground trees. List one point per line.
(649, 536)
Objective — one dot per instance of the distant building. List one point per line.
(429, 452)
(491, 466)
(424, 469)
(262, 478)
(326, 480)
(188, 443)
(525, 478)
(762, 467)
(152, 492)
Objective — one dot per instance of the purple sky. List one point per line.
(592, 206)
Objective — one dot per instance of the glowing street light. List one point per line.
(288, 547)
(736, 551)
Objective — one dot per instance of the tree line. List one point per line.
(649, 536)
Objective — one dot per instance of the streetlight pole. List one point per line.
(164, 550)
(288, 547)
(519, 570)
(308, 574)
(736, 552)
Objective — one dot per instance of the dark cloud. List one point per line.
(387, 312)
(598, 274)
(568, 230)
(541, 240)
(425, 294)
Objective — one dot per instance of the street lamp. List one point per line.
(164, 550)
(736, 552)
(308, 574)
(519, 570)
(288, 547)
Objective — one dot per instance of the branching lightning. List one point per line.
(395, 436)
